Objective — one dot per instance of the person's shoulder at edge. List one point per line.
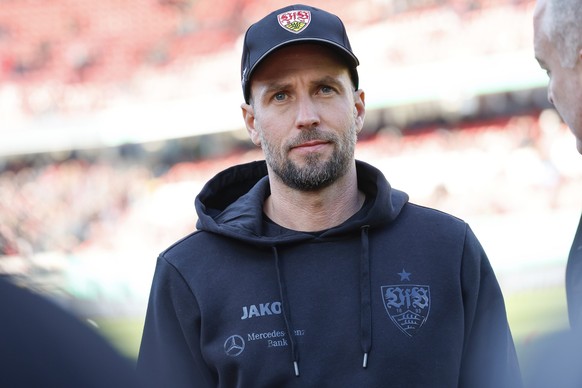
(42, 344)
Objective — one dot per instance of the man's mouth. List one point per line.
(311, 145)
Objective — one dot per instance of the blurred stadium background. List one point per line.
(114, 113)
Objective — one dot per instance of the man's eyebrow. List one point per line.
(272, 87)
(329, 80)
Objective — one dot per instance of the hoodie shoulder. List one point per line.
(435, 224)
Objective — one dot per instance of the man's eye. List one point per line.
(279, 96)
(326, 89)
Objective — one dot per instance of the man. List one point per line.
(558, 50)
(308, 269)
(42, 345)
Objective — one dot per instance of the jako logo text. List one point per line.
(261, 310)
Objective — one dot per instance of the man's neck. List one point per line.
(314, 210)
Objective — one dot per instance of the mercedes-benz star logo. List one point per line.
(234, 345)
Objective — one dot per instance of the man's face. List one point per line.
(565, 84)
(305, 115)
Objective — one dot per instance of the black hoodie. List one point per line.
(574, 282)
(399, 295)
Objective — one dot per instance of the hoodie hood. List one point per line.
(231, 204)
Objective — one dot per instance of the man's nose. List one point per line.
(307, 113)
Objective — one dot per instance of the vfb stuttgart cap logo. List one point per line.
(294, 21)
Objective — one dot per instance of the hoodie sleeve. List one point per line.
(489, 356)
(169, 354)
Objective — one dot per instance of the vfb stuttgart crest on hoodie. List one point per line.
(407, 305)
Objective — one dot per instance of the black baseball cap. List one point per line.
(294, 24)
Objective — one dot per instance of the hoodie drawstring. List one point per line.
(365, 303)
(365, 297)
(286, 312)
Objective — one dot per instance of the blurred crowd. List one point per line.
(58, 206)
(68, 57)
(524, 163)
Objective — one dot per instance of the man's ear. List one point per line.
(248, 113)
(359, 109)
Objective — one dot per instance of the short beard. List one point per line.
(317, 173)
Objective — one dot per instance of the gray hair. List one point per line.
(564, 28)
